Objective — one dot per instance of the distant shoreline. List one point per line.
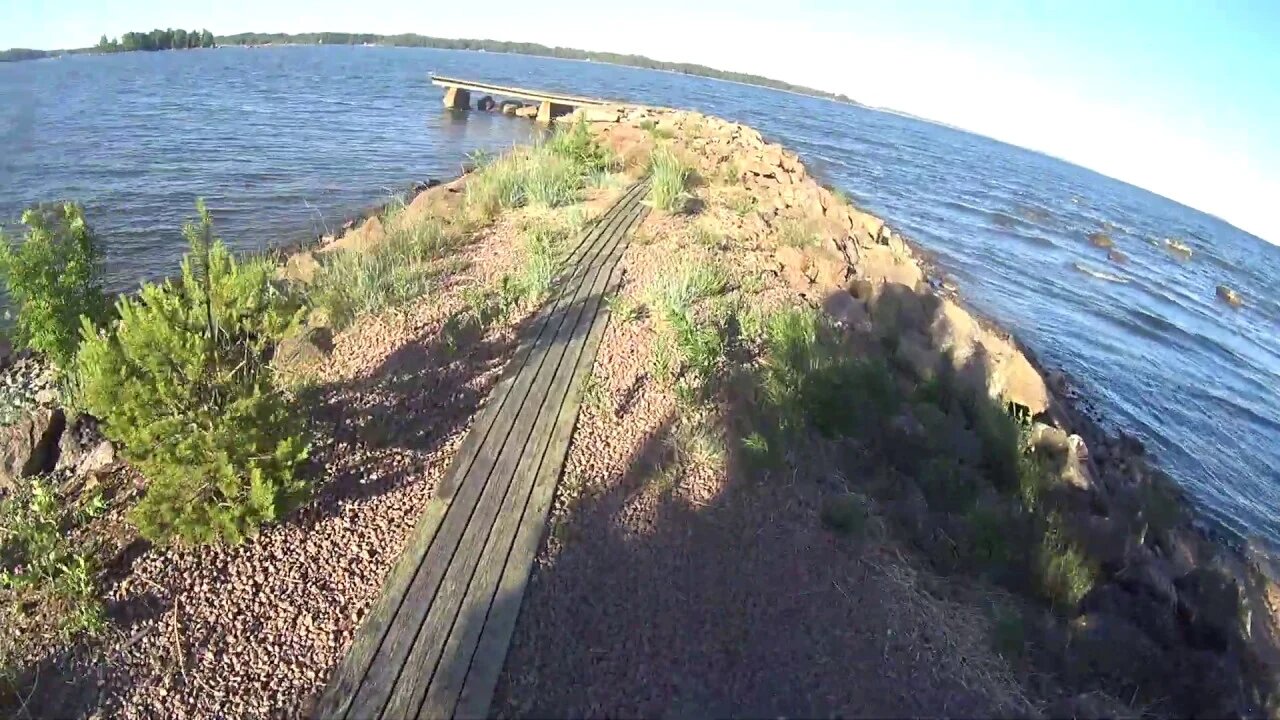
(495, 46)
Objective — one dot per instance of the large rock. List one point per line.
(29, 446)
(1209, 603)
(83, 450)
(1112, 651)
(847, 310)
(794, 267)
(878, 264)
(309, 346)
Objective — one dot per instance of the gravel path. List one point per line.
(708, 594)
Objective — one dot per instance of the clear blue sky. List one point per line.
(1181, 97)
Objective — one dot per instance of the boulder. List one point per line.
(846, 310)
(485, 104)
(794, 267)
(1209, 603)
(29, 446)
(827, 268)
(527, 111)
(309, 346)
(878, 264)
(914, 354)
(1152, 616)
(83, 450)
(1229, 296)
(1111, 650)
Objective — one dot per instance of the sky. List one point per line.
(1181, 97)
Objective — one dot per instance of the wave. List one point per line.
(1099, 274)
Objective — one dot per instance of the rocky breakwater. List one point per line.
(1165, 618)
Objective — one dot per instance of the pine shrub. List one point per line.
(53, 278)
(183, 382)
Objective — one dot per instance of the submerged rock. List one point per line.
(1229, 296)
(1177, 248)
(1100, 239)
(1118, 257)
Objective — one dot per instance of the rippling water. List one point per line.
(283, 142)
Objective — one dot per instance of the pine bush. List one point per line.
(53, 278)
(183, 382)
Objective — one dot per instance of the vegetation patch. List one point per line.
(669, 178)
(360, 281)
(551, 174)
(54, 277)
(182, 381)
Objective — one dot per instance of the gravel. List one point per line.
(712, 593)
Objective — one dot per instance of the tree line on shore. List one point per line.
(157, 39)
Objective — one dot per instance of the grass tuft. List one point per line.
(796, 233)
(553, 174)
(669, 177)
(355, 282)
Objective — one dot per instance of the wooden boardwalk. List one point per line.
(435, 642)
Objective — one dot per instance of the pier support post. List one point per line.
(457, 99)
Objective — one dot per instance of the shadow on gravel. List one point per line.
(748, 604)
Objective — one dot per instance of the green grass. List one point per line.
(41, 571)
(685, 285)
(626, 308)
(796, 234)
(730, 174)
(1009, 633)
(552, 174)
(355, 282)
(669, 178)
(1062, 572)
(708, 238)
(657, 133)
(845, 514)
(531, 284)
(742, 203)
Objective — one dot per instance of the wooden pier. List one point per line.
(434, 643)
(457, 96)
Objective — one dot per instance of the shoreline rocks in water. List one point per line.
(1100, 239)
(1229, 296)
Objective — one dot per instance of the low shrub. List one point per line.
(54, 277)
(808, 381)
(669, 180)
(846, 514)
(45, 581)
(182, 381)
(1063, 574)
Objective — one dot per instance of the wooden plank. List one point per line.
(345, 682)
(447, 681)
(428, 650)
(592, 242)
(369, 693)
(491, 650)
(527, 93)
